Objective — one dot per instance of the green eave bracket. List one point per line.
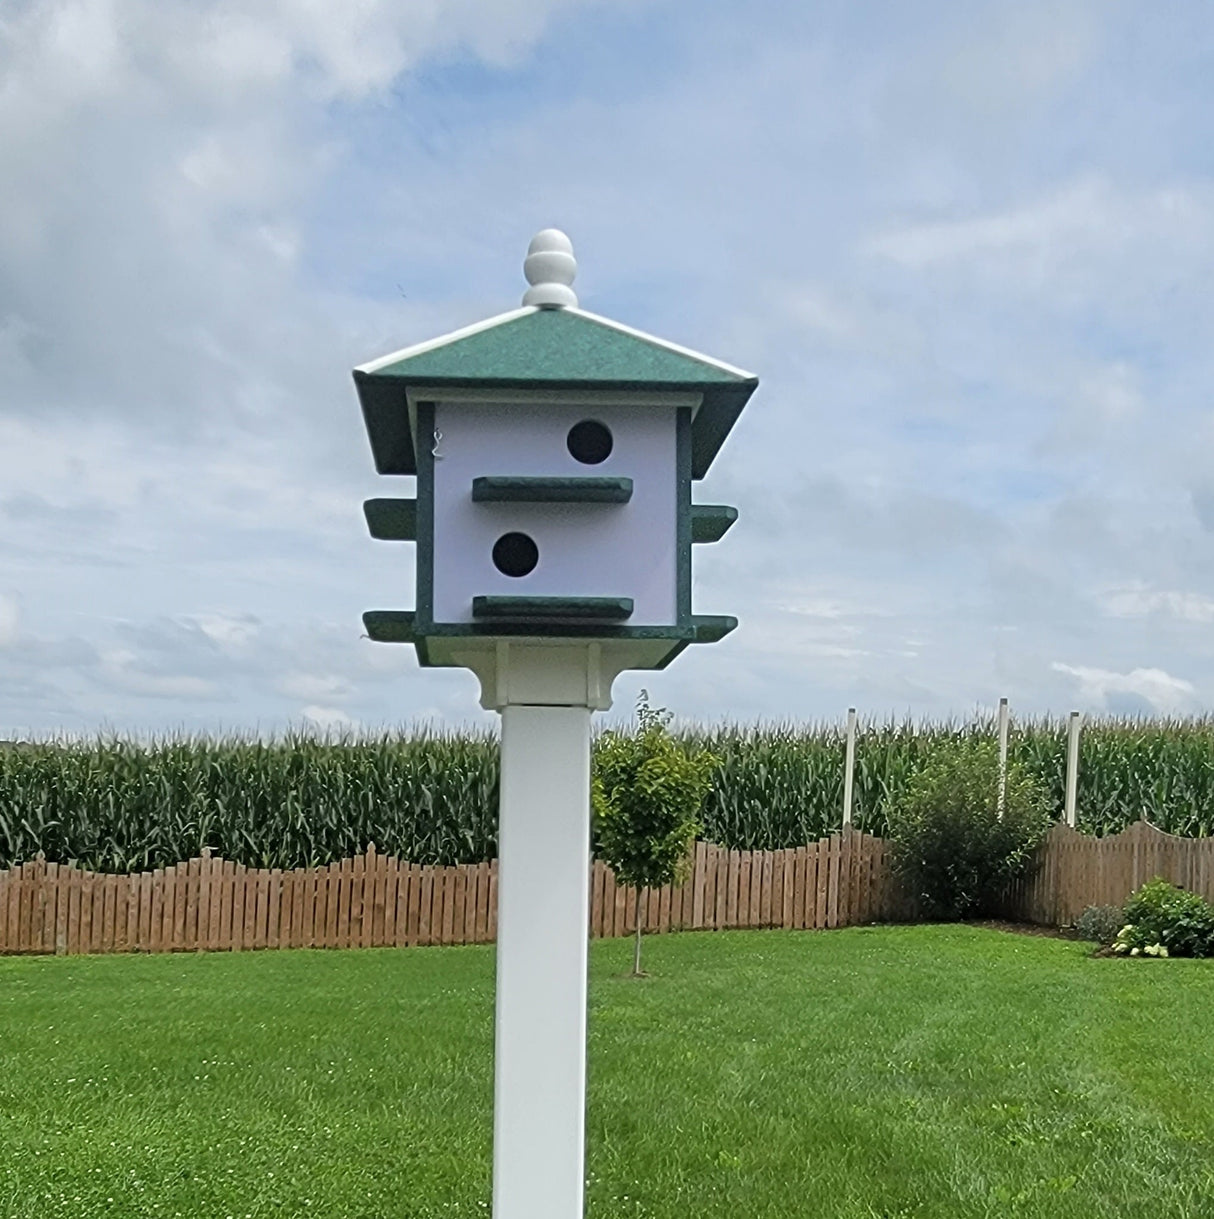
(391, 626)
(710, 628)
(710, 522)
(508, 490)
(582, 609)
(392, 520)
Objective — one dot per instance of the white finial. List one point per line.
(550, 268)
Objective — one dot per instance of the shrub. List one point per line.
(1160, 915)
(948, 840)
(646, 792)
(1100, 923)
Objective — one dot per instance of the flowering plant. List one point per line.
(1131, 941)
(1163, 920)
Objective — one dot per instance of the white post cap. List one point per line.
(550, 268)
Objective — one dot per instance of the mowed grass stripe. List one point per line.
(885, 1071)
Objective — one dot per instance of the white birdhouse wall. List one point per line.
(584, 550)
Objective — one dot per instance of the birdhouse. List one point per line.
(555, 453)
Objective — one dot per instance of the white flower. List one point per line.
(1125, 930)
(1120, 946)
(1134, 952)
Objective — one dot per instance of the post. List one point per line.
(1003, 723)
(542, 935)
(1072, 766)
(849, 767)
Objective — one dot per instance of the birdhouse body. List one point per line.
(605, 533)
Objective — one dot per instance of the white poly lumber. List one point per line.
(1003, 728)
(849, 766)
(1072, 769)
(542, 933)
(550, 268)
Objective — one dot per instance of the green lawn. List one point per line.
(867, 1074)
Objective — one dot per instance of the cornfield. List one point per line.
(431, 797)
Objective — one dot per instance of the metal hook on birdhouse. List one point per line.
(438, 439)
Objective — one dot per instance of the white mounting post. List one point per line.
(1072, 767)
(1003, 723)
(849, 766)
(546, 695)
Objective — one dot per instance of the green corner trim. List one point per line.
(425, 512)
(606, 609)
(498, 490)
(710, 522)
(683, 450)
(391, 626)
(392, 520)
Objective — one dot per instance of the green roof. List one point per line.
(547, 349)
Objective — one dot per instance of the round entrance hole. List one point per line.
(590, 442)
(515, 554)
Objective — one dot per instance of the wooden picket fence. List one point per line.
(373, 901)
(1075, 871)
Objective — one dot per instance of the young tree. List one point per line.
(647, 792)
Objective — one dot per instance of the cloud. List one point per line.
(124, 670)
(1139, 601)
(983, 345)
(315, 686)
(329, 719)
(230, 631)
(1162, 692)
(154, 254)
(1086, 217)
(10, 621)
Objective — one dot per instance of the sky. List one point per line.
(967, 247)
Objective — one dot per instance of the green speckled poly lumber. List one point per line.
(556, 345)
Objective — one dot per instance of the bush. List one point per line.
(1100, 923)
(948, 841)
(1162, 916)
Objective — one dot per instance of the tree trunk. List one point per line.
(636, 948)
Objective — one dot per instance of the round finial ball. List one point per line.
(548, 240)
(550, 268)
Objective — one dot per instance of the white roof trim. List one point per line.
(444, 339)
(649, 338)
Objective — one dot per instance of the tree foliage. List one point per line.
(647, 790)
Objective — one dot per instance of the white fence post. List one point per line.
(849, 766)
(1003, 725)
(1072, 766)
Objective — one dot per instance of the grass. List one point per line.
(870, 1073)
